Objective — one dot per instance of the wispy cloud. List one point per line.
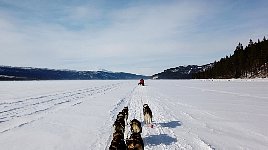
(139, 37)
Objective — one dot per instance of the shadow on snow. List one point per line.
(171, 124)
(159, 139)
(163, 138)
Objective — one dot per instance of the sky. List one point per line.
(135, 36)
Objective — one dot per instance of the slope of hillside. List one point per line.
(22, 73)
(181, 72)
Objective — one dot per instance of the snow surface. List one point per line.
(187, 114)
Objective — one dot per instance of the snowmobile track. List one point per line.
(25, 111)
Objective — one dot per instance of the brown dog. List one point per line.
(135, 142)
(135, 126)
(118, 142)
(119, 126)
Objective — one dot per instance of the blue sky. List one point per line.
(143, 37)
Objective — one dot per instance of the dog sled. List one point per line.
(141, 82)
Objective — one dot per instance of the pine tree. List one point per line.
(250, 43)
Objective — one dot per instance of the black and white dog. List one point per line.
(148, 115)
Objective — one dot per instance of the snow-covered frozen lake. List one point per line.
(188, 114)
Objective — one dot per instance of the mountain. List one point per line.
(181, 72)
(28, 73)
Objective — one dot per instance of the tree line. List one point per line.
(244, 63)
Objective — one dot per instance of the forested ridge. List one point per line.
(248, 62)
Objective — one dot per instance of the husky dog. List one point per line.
(120, 115)
(121, 118)
(135, 142)
(135, 126)
(144, 105)
(118, 142)
(119, 135)
(125, 111)
(147, 114)
(119, 126)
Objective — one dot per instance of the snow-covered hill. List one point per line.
(187, 114)
(8, 73)
(181, 72)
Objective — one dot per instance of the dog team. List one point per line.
(134, 142)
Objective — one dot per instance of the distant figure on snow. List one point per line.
(141, 82)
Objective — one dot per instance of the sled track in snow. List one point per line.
(167, 121)
(24, 111)
(164, 134)
(161, 136)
